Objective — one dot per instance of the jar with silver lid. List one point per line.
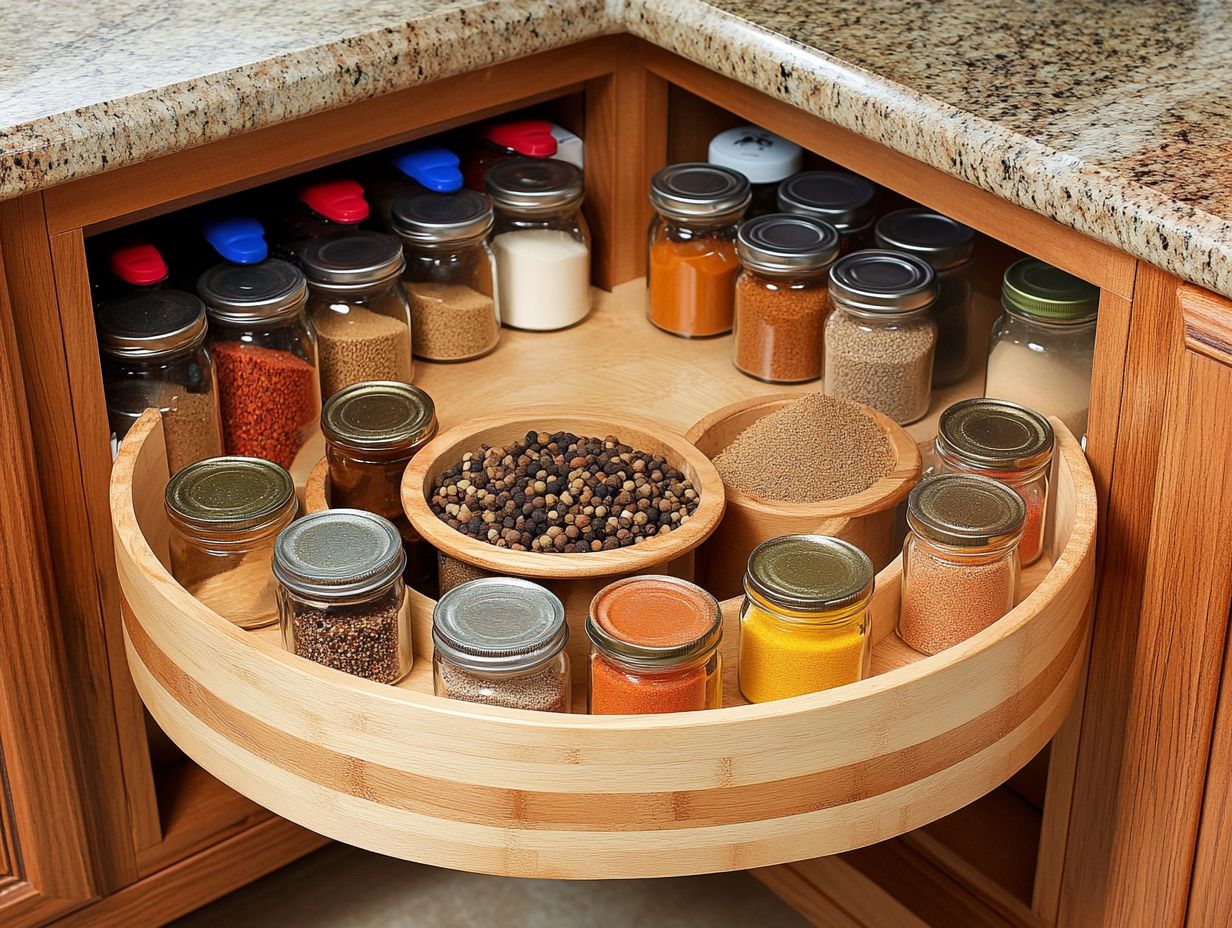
(266, 357)
(450, 276)
(841, 199)
(782, 299)
(881, 336)
(154, 355)
(764, 158)
(948, 246)
(358, 310)
(501, 642)
(341, 598)
(224, 515)
(541, 243)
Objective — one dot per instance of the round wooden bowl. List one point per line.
(868, 520)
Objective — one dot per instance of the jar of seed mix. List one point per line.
(450, 274)
(358, 309)
(804, 624)
(266, 357)
(960, 559)
(501, 642)
(341, 599)
(154, 355)
(841, 199)
(881, 335)
(782, 298)
(224, 515)
(692, 268)
(1009, 443)
(948, 247)
(541, 243)
(654, 647)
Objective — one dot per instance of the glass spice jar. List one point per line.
(450, 276)
(224, 515)
(501, 642)
(841, 199)
(406, 172)
(764, 158)
(654, 647)
(341, 599)
(692, 267)
(804, 623)
(960, 559)
(523, 138)
(881, 336)
(782, 297)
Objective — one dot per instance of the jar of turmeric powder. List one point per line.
(804, 624)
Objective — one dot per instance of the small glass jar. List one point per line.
(1009, 443)
(541, 243)
(654, 647)
(522, 138)
(1043, 344)
(948, 247)
(358, 309)
(501, 642)
(406, 172)
(224, 515)
(782, 297)
(804, 623)
(154, 355)
(841, 199)
(692, 266)
(881, 336)
(341, 599)
(764, 158)
(450, 276)
(960, 559)
(320, 210)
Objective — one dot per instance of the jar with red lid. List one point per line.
(524, 138)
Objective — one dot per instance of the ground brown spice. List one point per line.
(452, 322)
(779, 331)
(945, 602)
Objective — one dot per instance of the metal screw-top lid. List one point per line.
(533, 185)
(240, 293)
(338, 554)
(428, 218)
(877, 283)
(354, 261)
(499, 624)
(784, 244)
(691, 625)
(379, 415)
(939, 240)
(1037, 289)
(230, 494)
(700, 191)
(148, 323)
(809, 573)
(994, 434)
(841, 199)
(965, 511)
(761, 156)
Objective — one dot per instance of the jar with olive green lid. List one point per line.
(804, 623)
(225, 514)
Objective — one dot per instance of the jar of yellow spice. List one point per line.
(804, 624)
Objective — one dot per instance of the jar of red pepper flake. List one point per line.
(265, 355)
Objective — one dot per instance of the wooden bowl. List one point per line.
(868, 519)
(316, 488)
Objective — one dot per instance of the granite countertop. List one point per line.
(1113, 118)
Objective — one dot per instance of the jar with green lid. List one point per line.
(844, 200)
(341, 599)
(224, 515)
(960, 559)
(804, 623)
(1043, 344)
(501, 642)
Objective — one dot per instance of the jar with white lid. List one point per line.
(764, 158)
(844, 200)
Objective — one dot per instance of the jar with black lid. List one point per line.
(841, 199)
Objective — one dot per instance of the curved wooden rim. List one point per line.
(316, 488)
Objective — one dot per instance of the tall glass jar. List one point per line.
(764, 158)
(782, 299)
(960, 559)
(541, 243)
(692, 267)
(341, 599)
(1043, 344)
(450, 276)
(881, 336)
(804, 623)
(154, 355)
(266, 357)
(948, 246)
(224, 515)
(841, 199)
(358, 309)
(501, 642)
